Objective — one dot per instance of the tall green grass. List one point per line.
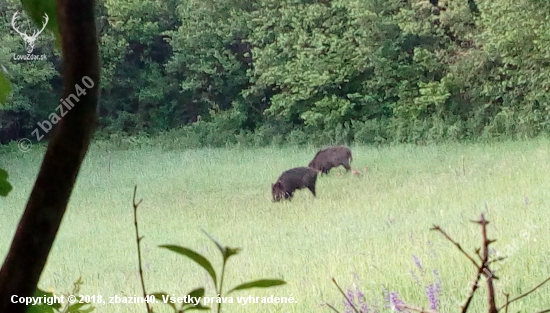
(369, 224)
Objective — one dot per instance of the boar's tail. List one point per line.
(350, 157)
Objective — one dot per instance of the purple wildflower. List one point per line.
(418, 263)
(360, 295)
(432, 292)
(357, 299)
(350, 296)
(396, 303)
(347, 305)
(361, 300)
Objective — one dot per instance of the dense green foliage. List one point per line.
(5, 186)
(326, 70)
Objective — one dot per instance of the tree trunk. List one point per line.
(40, 222)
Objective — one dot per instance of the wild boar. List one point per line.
(295, 178)
(331, 157)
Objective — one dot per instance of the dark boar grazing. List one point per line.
(331, 157)
(295, 178)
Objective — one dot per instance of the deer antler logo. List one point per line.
(29, 40)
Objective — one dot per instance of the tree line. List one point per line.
(332, 70)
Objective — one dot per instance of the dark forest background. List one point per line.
(270, 71)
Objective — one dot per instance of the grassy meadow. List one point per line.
(361, 229)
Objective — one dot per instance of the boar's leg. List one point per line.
(312, 189)
(346, 166)
(288, 195)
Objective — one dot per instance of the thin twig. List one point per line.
(507, 295)
(412, 308)
(525, 294)
(456, 244)
(472, 292)
(478, 253)
(333, 308)
(345, 296)
(500, 258)
(138, 241)
(480, 269)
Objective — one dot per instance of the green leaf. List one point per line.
(43, 308)
(261, 283)
(36, 10)
(220, 247)
(230, 252)
(5, 88)
(197, 293)
(158, 296)
(78, 308)
(199, 259)
(199, 307)
(227, 252)
(5, 186)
